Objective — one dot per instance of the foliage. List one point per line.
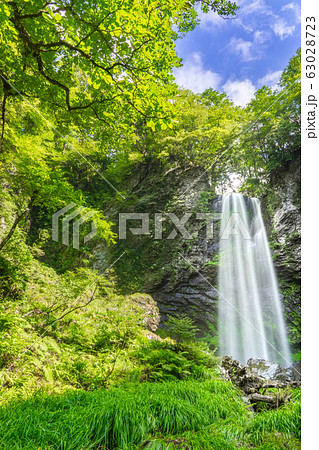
(74, 331)
(273, 129)
(167, 360)
(215, 261)
(211, 338)
(96, 72)
(100, 63)
(203, 127)
(198, 414)
(90, 115)
(33, 178)
(291, 294)
(181, 328)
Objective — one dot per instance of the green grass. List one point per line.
(181, 414)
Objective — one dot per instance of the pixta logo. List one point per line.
(180, 224)
(66, 221)
(234, 225)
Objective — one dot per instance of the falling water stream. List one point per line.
(251, 322)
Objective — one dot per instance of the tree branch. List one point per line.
(17, 220)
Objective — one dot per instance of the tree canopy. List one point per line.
(88, 98)
(109, 61)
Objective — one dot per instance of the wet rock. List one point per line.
(270, 370)
(263, 368)
(254, 386)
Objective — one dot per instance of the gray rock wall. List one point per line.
(191, 294)
(181, 287)
(285, 210)
(282, 208)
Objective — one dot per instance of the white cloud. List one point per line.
(194, 76)
(282, 29)
(270, 79)
(288, 6)
(285, 26)
(242, 48)
(248, 18)
(241, 92)
(210, 20)
(248, 7)
(260, 37)
(295, 9)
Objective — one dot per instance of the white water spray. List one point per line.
(251, 322)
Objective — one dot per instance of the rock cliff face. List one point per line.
(282, 208)
(285, 209)
(191, 290)
(190, 294)
(181, 274)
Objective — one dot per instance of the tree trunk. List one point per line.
(17, 220)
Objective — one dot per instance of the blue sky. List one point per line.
(238, 56)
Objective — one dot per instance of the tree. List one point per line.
(31, 173)
(203, 126)
(273, 128)
(86, 73)
(109, 61)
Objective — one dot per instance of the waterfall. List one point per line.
(251, 322)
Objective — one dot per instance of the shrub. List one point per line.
(181, 328)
